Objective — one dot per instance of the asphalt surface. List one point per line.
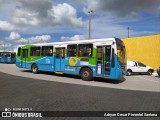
(40, 95)
(134, 82)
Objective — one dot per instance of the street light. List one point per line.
(90, 17)
(128, 31)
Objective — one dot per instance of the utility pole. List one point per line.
(90, 17)
(128, 32)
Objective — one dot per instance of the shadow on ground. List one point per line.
(97, 79)
(157, 76)
(111, 81)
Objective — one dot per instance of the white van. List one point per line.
(138, 67)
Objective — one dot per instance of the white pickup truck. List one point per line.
(138, 67)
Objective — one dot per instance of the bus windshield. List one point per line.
(5, 55)
(0, 54)
(121, 52)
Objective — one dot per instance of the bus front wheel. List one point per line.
(35, 68)
(86, 74)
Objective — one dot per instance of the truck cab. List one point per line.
(138, 67)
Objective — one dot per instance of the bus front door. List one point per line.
(24, 57)
(60, 54)
(104, 60)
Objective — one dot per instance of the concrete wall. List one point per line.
(145, 49)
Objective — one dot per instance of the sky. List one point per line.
(41, 21)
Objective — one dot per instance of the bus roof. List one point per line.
(74, 42)
(7, 52)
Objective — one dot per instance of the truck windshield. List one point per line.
(141, 64)
(121, 52)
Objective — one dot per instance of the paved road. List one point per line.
(22, 92)
(135, 82)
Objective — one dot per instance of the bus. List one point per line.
(7, 57)
(88, 58)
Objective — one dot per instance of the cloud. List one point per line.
(13, 36)
(39, 39)
(23, 17)
(1, 2)
(6, 26)
(30, 12)
(124, 8)
(65, 14)
(32, 40)
(1, 42)
(36, 39)
(22, 41)
(44, 13)
(4, 45)
(75, 37)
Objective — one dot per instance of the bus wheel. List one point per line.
(129, 72)
(35, 68)
(86, 74)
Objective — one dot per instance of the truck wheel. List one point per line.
(35, 68)
(149, 72)
(129, 72)
(86, 74)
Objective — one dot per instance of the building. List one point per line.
(145, 49)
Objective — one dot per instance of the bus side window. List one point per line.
(108, 53)
(99, 53)
(47, 50)
(85, 50)
(51, 51)
(35, 51)
(80, 52)
(72, 50)
(62, 52)
(57, 52)
(19, 51)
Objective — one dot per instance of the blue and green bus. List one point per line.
(7, 57)
(88, 58)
